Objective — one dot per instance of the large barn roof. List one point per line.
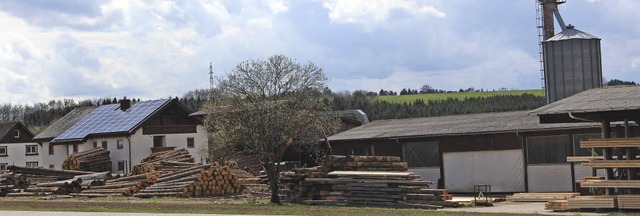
(483, 123)
(594, 104)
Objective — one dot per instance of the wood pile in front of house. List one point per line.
(381, 181)
(10, 181)
(59, 182)
(123, 186)
(153, 162)
(95, 160)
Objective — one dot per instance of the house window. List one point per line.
(32, 164)
(3, 151)
(51, 149)
(51, 166)
(32, 150)
(120, 144)
(158, 141)
(190, 142)
(121, 165)
(95, 144)
(104, 144)
(75, 148)
(3, 166)
(16, 134)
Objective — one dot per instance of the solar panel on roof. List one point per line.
(110, 119)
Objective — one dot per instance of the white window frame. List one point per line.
(120, 144)
(3, 166)
(5, 151)
(16, 135)
(31, 164)
(34, 152)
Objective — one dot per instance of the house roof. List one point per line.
(110, 119)
(7, 127)
(594, 103)
(64, 123)
(483, 123)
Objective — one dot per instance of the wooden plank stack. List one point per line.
(591, 202)
(150, 164)
(540, 197)
(557, 205)
(124, 186)
(381, 181)
(628, 201)
(95, 160)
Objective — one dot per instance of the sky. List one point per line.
(159, 48)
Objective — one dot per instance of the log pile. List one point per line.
(196, 181)
(35, 173)
(9, 182)
(95, 160)
(381, 181)
(124, 186)
(151, 163)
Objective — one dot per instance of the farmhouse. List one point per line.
(510, 151)
(130, 131)
(16, 146)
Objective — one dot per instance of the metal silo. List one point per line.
(572, 63)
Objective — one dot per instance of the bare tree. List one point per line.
(268, 106)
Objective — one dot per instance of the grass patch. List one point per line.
(205, 206)
(456, 95)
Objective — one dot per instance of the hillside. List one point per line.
(456, 95)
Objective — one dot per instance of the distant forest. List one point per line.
(40, 115)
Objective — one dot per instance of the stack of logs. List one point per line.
(10, 181)
(95, 160)
(124, 186)
(152, 163)
(60, 182)
(381, 181)
(195, 181)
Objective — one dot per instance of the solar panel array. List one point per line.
(110, 119)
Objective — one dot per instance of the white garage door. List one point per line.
(550, 178)
(503, 170)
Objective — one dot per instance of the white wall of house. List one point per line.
(53, 159)
(16, 154)
(178, 140)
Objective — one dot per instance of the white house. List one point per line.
(16, 146)
(129, 131)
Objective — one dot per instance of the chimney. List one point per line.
(125, 104)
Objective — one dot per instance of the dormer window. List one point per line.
(16, 134)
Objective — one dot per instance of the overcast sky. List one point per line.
(152, 49)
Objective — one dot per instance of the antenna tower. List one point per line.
(210, 76)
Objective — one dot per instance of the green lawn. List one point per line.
(458, 95)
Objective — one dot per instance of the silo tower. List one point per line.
(571, 60)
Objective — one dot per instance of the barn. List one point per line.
(510, 151)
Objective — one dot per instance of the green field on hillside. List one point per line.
(458, 95)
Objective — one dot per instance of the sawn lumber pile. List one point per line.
(540, 197)
(152, 163)
(195, 181)
(95, 160)
(380, 181)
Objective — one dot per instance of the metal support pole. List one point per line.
(606, 152)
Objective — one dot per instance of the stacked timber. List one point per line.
(151, 163)
(365, 163)
(95, 160)
(10, 182)
(381, 181)
(196, 181)
(124, 186)
(540, 197)
(557, 205)
(46, 173)
(628, 201)
(591, 202)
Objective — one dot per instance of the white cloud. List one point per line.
(369, 13)
(277, 6)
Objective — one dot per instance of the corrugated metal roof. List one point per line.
(571, 33)
(616, 98)
(483, 123)
(64, 123)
